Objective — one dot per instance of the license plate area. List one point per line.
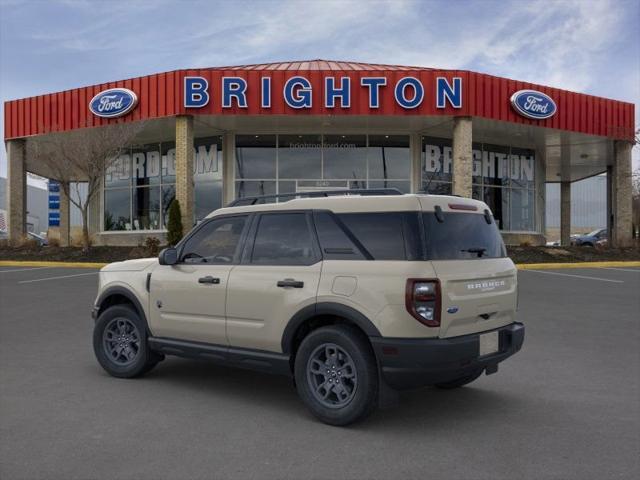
(489, 343)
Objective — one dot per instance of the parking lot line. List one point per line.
(58, 278)
(637, 270)
(577, 276)
(23, 269)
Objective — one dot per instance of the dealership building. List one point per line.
(209, 136)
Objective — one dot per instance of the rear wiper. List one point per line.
(479, 251)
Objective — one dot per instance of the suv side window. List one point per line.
(216, 242)
(386, 235)
(334, 241)
(284, 239)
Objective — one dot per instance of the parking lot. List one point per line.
(567, 406)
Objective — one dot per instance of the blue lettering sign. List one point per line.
(373, 84)
(266, 93)
(444, 92)
(297, 92)
(401, 94)
(234, 87)
(331, 92)
(196, 93)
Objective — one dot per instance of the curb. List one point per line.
(548, 266)
(19, 263)
(520, 266)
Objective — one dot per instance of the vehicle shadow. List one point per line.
(430, 408)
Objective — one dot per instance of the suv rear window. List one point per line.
(385, 235)
(462, 236)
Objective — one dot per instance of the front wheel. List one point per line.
(336, 375)
(120, 343)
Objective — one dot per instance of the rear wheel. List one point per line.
(336, 375)
(120, 343)
(459, 382)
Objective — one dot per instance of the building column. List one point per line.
(16, 191)
(565, 213)
(184, 170)
(621, 185)
(65, 219)
(228, 168)
(415, 147)
(462, 156)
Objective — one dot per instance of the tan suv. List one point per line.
(354, 294)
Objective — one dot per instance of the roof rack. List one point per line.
(314, 194)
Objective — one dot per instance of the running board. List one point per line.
(260, 360)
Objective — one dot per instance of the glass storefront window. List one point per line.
(389, 157)
(436, 160)
(521, 205)
(256, 156)
(151, 171)
(250, 188)
(299, 156)
(503, 177)
(344, 156)
(118, 174)
(146, 208)
(117, 209)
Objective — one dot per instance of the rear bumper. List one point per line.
(410, 363)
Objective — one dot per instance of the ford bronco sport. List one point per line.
(354, 294)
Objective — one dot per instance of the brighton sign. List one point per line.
(113, 103)
(533, 104)
(408, 92)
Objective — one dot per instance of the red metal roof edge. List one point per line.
(274, 66)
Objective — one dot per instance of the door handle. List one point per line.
(290, 282)
(209, 279)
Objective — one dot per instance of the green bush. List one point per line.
(174, 225)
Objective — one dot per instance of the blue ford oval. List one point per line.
(533, 104)
(114, 102)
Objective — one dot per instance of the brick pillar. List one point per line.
(415, 147)
(462, 156)
(16, 191)
(565, 213)
(184, 170)
(621, 185)
(228, 168)
(65, 218)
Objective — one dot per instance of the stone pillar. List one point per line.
(184, 170)
(228, 168)
(16, 191)
(65, 217)
(415, 147)
(621, 184)
(462, 156)
(565, 213)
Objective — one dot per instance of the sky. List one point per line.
(590, 46)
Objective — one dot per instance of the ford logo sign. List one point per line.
(114, 102)
(533, 104)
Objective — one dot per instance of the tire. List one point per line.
(336, 375)
(459, 382)
(130, 358)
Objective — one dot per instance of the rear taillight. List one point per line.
(422, 298)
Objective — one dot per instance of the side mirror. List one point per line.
(168, 256)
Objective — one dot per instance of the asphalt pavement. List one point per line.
(566, 407)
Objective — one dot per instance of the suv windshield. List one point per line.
(462, 236)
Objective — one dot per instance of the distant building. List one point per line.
(37, 206)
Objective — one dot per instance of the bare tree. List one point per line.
(82, 156)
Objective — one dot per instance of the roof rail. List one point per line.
(319, 193)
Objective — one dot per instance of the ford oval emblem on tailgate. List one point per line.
(452, 309)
